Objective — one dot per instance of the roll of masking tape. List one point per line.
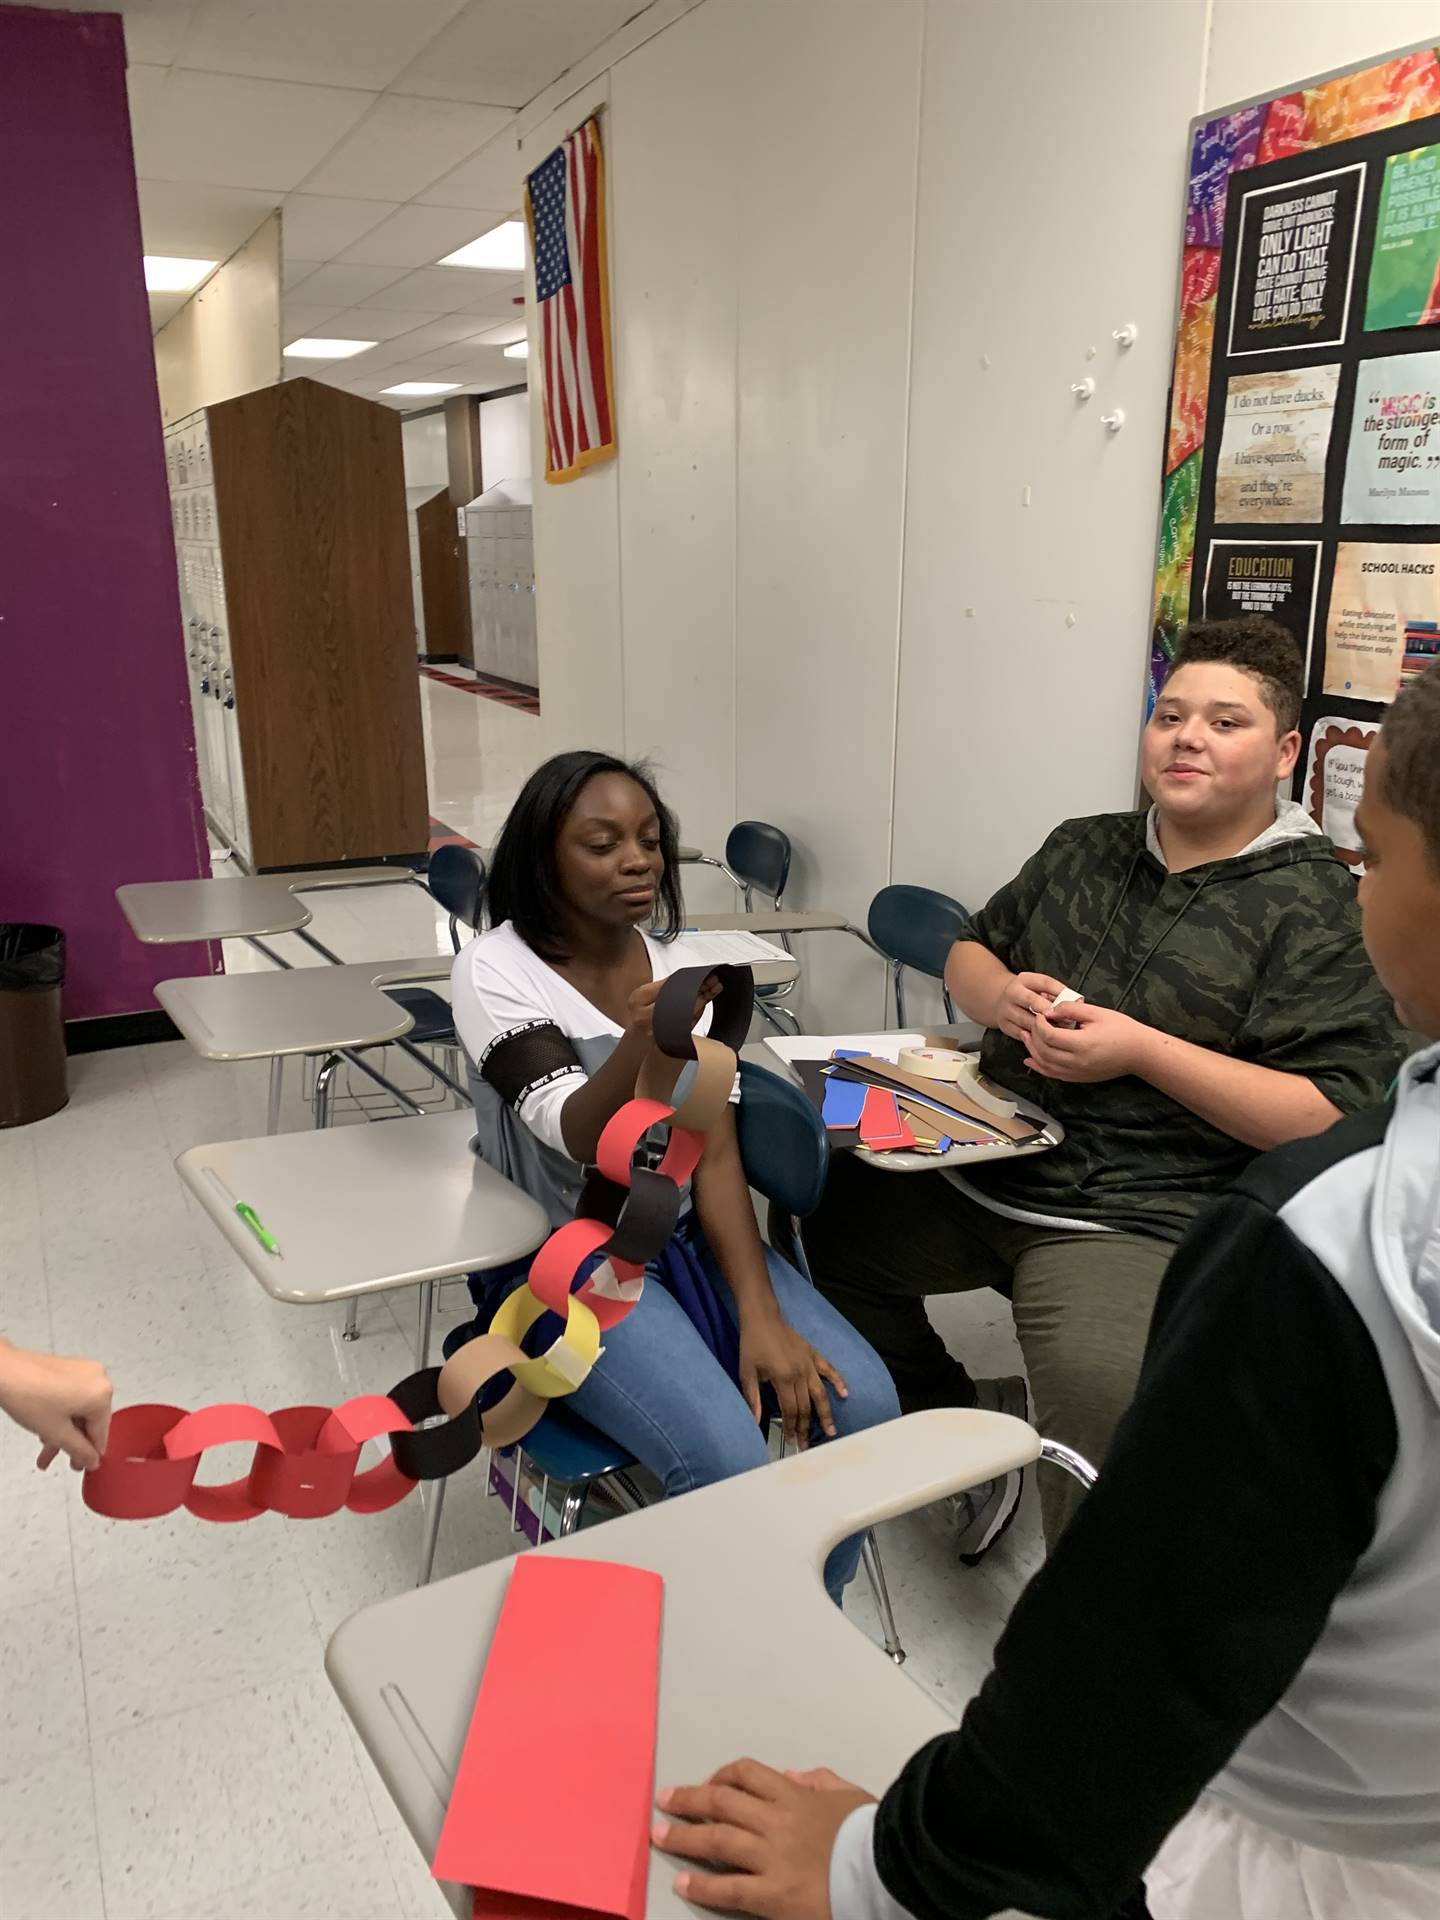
(933, 1063)
(991, 1098)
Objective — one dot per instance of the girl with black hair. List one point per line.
(554, 1006)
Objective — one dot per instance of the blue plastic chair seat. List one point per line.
(570, 1450)
(434, 1021)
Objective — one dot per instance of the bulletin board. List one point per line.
(1302, 468)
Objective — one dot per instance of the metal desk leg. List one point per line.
(422, 1336)
(430, 1530)
(277, 1077)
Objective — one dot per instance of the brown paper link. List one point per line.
(469, 1369)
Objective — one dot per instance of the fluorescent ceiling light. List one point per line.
(419, 387)
(518, 350)
(327, 349)
(502, 249)
(165, 274)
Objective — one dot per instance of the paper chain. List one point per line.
(305, 1458)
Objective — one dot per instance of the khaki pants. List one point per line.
(881, 1242)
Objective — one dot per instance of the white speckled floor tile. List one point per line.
(191, 1804)
(42, 1691)
(356, 1885)
(151, 1648)
(49, 1859)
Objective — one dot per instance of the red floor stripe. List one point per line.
(491, 689)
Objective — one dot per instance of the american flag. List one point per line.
(565, 207)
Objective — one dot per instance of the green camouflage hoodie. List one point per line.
(1258, 957)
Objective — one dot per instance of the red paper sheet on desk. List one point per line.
(881, 1125)
(554, 1796)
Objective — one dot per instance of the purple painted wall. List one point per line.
(98, 780)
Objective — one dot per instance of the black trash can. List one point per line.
(32, 1033)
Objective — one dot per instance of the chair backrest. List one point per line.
(783, 1144)
(916, 927)
(759, 855)
(456, 879)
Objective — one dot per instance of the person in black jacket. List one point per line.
(1226, 1679)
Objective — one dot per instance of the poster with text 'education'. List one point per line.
(1384, 624)
(1274, 446)
(1405, 265)
(1392, 468)
(1295, 261)
(1273, 579)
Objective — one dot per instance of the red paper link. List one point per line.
(552, 1802)
(881, 1122)
(304, 1463)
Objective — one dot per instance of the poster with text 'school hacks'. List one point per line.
(1302, 470)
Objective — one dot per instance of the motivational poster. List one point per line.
(1384, 624)
(1335, 780)
(1406, 260)
(1274, 446)
(1392, 467)
(1276, 579)
(1294, 263)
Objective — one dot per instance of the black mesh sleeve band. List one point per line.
(523, 1059)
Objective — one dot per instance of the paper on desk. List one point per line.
(728, 949)
(553, 1798)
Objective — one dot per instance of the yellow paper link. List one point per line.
(575, 1352)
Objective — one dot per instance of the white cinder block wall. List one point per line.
(864, 567)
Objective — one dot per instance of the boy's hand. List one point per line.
(1084, 1044)
(1024, 998)
(64, 1403)
(770, 1834)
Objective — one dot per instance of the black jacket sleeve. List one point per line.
(1238, 1495)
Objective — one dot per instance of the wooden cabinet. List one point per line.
(289, 514)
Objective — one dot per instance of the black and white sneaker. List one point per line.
(981, 1514)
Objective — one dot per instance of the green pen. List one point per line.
(257, 1226)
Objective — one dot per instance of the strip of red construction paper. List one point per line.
(553, 1798)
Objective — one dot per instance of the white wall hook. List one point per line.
(1114, 421)
(1127, 335)
(1083, 389)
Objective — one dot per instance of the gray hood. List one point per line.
(1405, 1212)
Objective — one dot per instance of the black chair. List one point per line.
(456, 880)
(758, 856)
(915, 927)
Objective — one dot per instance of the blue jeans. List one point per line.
(660, 1392)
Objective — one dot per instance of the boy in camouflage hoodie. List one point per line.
(1227, 1007)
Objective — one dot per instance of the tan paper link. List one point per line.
(710, 1090)
(469, 1369)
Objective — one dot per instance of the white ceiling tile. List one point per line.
(376, 323)
(199, 223)
(429, 290)
(402, 145)
(346, 286)
(301, 321)
(228, 132)
(422, 337)
(163, 307)
(494, 297)
(509, 50)
(317, 228)
(154, 29)
(292, 272)
(505, 335)
(342, 43)
(418, 236)
(493, 177)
